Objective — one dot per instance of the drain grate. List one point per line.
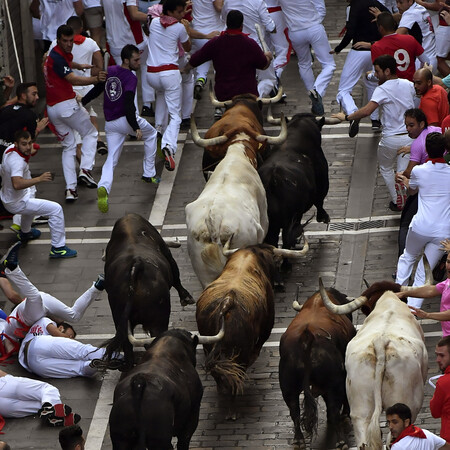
(341, 226)
(354, 226)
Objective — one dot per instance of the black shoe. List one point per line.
(112, 364)
(147, 111)
(198, 88)
(394, 207)
(317, 104)
(100, 282)
(185, 124)
(376, 125)
(11, 257)
(353, 128)
(102, 149)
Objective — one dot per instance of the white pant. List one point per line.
(415, 243)
(37, 207)
(116, 131)
(148, 93)
(202, 70)
(20, 397)
(279, 42)
(356, 64)
(37, 304)
(59, 357)
(387, 157)
(167, 85)
(267, 80)
(68, 116)
(317, 38)
(442, 41)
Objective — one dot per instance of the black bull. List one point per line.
(312, 354)
(295, 177)
(160, 397)
(139, 272)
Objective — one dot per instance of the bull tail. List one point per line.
(212, 257)
(373, 430)
(116, 344)
(309, 417)
(138, 385)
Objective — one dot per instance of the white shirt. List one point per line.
(205, 17)
(13, 165)
(433, 214)
(163, 43)
(91, 3)
(418, 14)
(53, 14)
(432, 442)
(82, 54)
(254, 11)
(303, 14)
(119, 30)
(39, 328)
(394, 97)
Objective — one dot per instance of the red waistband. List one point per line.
(162, 68)
(272, 9)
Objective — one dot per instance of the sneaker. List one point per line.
(198, 88)
(71, 195)
(102, 149)
(15, 227)
(147, 111)
(85, 177)
(353, 128)
(100, 282)
(185, 124)
(154, 180)
(59, 410)
(102, 199)
(112, 364)
(317, 104)
(169, 162)
(70, 419)
(218, 113)
(402, 194)
(62, 252)
(32, 234)
(376, 125)
(394, 207)
(11, 258)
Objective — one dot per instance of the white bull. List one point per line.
(232, 208)
(386, 361)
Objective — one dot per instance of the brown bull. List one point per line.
(246, 281)
(312, 352)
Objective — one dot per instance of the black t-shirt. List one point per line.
(16, 117)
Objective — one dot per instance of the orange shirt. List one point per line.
(435, 105)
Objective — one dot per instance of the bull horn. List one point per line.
(226, 251)
(103, 255)
(285, 253)
(172, 242)
(329, 120)
(296, 305)
(135, 342)
(275, 140)
(272, 119)
(340, 309)
(275, 99)
(201, 142)
(227, 305)
(366, 283)
(214, 100)
(428, 276)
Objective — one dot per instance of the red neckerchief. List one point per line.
(14, 149)
(79, 39)
(233, 32)
(167, 21)
(436, 160)
(411, 431)
(2, 424)
(67, 56)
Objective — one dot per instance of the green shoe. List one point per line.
(102, 199)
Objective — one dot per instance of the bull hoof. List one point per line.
(322, 216)
(341, 446)
(286, 267)
(187, 300)
(231, 417)
(300, 445)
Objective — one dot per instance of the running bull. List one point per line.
(139, 272)
(246, 283)
(386, 362)
(160, 397)
(312, 354)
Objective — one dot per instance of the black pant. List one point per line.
(408, 212)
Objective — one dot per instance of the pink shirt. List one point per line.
(444, 289)
(418, 151)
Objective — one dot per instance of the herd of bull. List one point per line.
(233, 229)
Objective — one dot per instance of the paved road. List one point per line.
(359, 242)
